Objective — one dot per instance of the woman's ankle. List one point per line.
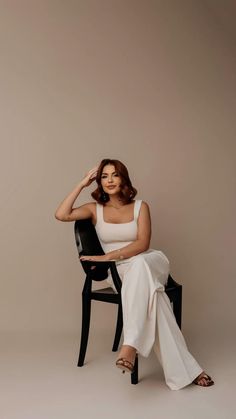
(127, 351)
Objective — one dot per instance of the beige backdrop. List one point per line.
(151, 83)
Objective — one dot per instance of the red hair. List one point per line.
(127, 191)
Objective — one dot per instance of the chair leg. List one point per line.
(119, 326)
(86, 312)
(134, 374)
(177, 307)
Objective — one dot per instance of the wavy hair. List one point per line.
(127, 191)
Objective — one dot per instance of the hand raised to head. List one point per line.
(89, 177)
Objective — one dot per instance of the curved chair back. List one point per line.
(88, 244)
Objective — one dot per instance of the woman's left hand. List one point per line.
(99, 258)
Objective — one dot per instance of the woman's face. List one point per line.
(110, 180)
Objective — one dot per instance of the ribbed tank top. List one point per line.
(114, 236)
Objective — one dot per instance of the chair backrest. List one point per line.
(87, 243)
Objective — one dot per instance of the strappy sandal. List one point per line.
(209, 381)
(125, 365)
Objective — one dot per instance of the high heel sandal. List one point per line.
(125, 365)
(209, 381)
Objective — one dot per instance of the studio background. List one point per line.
(151, 83)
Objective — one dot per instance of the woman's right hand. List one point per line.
(89, 177)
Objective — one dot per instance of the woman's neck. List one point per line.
(115, 201)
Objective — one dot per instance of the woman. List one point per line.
(123, 226)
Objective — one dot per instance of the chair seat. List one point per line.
(108, 290)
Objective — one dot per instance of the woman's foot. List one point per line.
(126, 358)
(203, 380)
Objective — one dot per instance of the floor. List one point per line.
(40, 380)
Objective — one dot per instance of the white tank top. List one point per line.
(113, 236)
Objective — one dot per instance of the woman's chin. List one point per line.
(112, 192)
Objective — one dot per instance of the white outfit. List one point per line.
(148, 318)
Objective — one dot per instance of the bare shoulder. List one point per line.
(91, 206)
(144, 207)
(144, 224)
(87, 210)
(144, 204)
(144, 213)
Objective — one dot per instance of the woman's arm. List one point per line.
(138, 246)
(65, 212)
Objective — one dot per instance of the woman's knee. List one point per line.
(138, 260)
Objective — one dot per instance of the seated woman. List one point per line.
(123, 226)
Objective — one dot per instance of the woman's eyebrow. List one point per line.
(104, 173)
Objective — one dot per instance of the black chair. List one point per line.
(88, 244)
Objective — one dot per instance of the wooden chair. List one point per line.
(88, 244)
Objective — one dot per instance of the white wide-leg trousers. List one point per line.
(148, 318)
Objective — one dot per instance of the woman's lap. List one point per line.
(152, 263)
